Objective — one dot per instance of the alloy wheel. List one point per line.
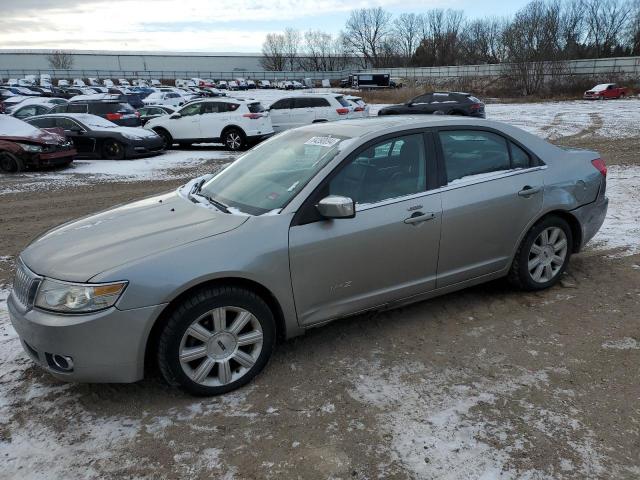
(221, 346)
(233, 140)
(547, 254)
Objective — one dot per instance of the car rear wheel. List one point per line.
(9, 163)
(216, 340)
(113, 150)
(233, 139)
(543, 255)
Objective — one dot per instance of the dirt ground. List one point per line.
(489, 381)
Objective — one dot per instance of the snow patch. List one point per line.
(627, 343)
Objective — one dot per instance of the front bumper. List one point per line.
(106, 346)
(591, 218)
(138, 148)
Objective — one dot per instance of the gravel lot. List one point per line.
(485, 383)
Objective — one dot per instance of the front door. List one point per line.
(493, 191)
(187, 126)
(85, 145)
(387, 252)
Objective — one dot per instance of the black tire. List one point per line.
(197, 305)
(113, 150)
(166, 138)
(9, 163)
(234, 139)
(519, 275)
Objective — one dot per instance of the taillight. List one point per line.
(599, 164)
(476, 106)
(114, 116)
(342, 111)
(358, 109)
(252, 116)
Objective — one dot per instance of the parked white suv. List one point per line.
(237, 123)
(164, 98)
(304, 109)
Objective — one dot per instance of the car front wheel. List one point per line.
(113, 150)
(216, 340)
(9, 163)
(543, 255)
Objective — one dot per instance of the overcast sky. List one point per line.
(191, 25)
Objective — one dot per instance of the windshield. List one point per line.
(268, 176)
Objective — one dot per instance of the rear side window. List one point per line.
(77, 108)
(59, 109)
(342, 101)
(471, 152)
(255, 107)
(519, 158)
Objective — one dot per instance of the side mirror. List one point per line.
(335, 206)
(76, 130)
(409, 104)
(175, 115)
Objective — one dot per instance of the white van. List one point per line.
(78, 82)
(304, 109)
(107, 82)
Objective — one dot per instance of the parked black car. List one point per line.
(95, 137)
(154, 111)
(117, 110)
(439, 103)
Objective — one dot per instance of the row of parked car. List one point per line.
(106, 126)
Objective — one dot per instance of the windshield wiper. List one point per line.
(219, 205)
(195, 190)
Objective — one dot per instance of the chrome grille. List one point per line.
(25, 285)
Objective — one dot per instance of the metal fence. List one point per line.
(619, 66)
(623, 66)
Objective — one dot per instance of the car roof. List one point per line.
(81, 117)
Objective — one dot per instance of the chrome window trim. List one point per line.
(446, 188)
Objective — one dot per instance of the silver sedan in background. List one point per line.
(315, 224)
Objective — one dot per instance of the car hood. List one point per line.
(81, 249)
(43, 137)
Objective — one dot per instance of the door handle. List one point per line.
(419, 217)
(527, 191)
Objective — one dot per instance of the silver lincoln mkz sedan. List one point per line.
(312, 225)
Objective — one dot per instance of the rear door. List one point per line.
(492, 190)
(214, 118)
(281, 114)
(303, 111)
(388, 251)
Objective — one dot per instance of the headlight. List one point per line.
(77, 297)
(30, 148)
(131, 136)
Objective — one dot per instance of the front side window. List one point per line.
(77, 108)
(390, 169)
(472, 152)
(268, 176)
(190, 110)
(282, 104)
(66, 124)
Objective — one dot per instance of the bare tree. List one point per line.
(532, 41)
(365, 33)
(292, 46)
(59, 60)
(406, 32)
(606, 21)
(481, 41)
(273, 52)
(322, 52)
(441, 38)
(633, 31)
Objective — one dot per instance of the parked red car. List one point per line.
(25, 146)
(605, 91)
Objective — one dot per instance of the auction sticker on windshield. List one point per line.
(322, 141)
